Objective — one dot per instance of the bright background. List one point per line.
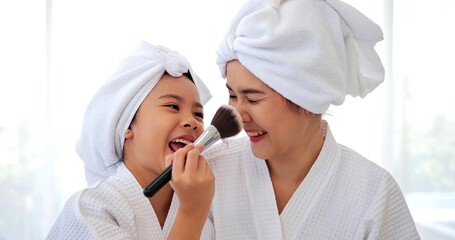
(54, 54)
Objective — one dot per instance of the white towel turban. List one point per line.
(114, 105)
(312, 52)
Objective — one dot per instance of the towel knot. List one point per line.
(174, 63)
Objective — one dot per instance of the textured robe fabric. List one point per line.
(113, 209)
(344, 196)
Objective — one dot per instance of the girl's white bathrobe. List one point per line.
(113, 209)
(344, 196)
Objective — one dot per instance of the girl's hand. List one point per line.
(193, 181)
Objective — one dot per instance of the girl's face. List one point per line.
(275, 131)
(170, 117)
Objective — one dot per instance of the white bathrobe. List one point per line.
(344, 196)
(113, 209)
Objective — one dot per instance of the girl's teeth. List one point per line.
(186, 142)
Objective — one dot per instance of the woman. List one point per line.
(285, 63)
(148, 111)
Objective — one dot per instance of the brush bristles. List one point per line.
(227, 121)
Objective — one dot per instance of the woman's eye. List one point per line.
(252, 101)
(232, 97)
(173, 106)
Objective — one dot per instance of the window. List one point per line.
(407, 124)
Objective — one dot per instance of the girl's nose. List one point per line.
(191, 123)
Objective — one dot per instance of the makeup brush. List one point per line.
(225, 123)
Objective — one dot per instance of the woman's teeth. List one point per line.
(256, 133)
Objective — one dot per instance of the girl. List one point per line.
(148, 111)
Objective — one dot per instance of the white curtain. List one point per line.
(55, 54)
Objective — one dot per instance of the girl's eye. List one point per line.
(199, 115)
(173, 106)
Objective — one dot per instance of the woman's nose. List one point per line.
(239, 106)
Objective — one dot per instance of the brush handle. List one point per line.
(207, 138)
(159, 182)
